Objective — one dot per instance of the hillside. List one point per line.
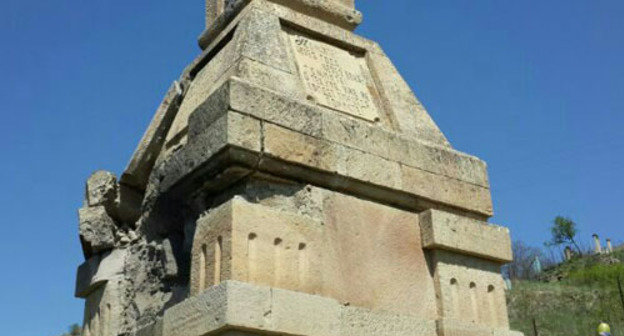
(570, 299)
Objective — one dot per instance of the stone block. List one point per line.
(368, 168)
(97, 230)
(241, 307)
(443, 230)
(277, 109)
(84, 276)
(111, 265)
(249, 306)
(101, 189)
(445, 190)
(291, 313)
(262, 75)
(300, 149)
(376, 258)
(303, 117)
(470, 290)
(357, 321)
(247, 242)
(410, 166)
(102, 309)
(357, 246)
(199, 315)
(200, 89)
(260, 30)
(98, 270)
(206, 148)
(330, 157)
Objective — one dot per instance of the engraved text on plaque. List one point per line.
(334, 77)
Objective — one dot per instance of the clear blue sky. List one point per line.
(535, 88)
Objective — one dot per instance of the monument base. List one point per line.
(241, 309)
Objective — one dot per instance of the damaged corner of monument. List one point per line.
(293, 170)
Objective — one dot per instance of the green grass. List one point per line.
(601, 276)
(561, 309)
(571, 307)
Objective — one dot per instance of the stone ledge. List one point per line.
(97, 270)
(240, 306)
(446, 231)
(243, 97)
(233, 140)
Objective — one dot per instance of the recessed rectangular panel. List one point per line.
(334, 77)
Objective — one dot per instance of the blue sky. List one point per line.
(535, 88)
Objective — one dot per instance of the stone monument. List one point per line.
(290, 183)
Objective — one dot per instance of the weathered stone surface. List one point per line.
(260, 74)
(128, 205)
(97, 230)
(356, 321)
(206, 81)
(103, 308)
(168, 259)
(360, 252)
(84, 276)
(260, 40)
(469, 290)
(442, 230)
(304, 150)
(335, 78)
(446, 190)
(99, 269)
(308, 119)
(154, 329)
(276, 109)
(101, 189)
(229, 130)
(236, 305)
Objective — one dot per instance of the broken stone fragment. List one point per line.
(127, 205)
(101, 189)
(168, 259)
(97, 230)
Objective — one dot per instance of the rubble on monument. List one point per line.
(291, 183)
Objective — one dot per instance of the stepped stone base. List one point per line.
(237, 308)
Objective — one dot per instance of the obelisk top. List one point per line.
(339, 12)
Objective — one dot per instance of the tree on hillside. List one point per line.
(564, 231)
(521, 268)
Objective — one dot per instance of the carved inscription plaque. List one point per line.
(334, 78)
